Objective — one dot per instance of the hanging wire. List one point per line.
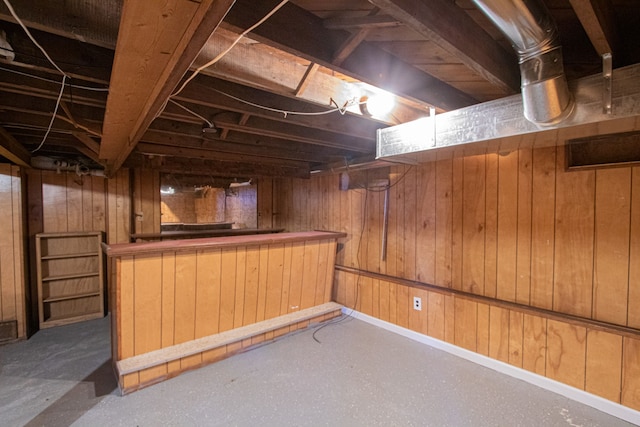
(64, 75)
(33, 76)
(235, 42)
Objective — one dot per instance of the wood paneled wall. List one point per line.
(13, 297)
(514, 227)
(65, 202)
(146, 201)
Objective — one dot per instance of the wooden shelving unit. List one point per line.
(70, 277)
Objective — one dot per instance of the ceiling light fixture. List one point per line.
(208, 127)
(378, 104)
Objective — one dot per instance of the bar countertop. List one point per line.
(128, 249)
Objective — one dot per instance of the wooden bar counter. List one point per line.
(177, 305)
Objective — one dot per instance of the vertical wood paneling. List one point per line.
(385, 303)
(483, 336)
(396, 214)
(409, 257)
(265, 203)
(274, 281)
(98, 204)
(473, 223)
(185, 305)
(397, 209)
(146, 200)
(251, 285)
(499, 333)
(444, 209)
(543, 226)
(147, 303)
(125, 328)
(74, 195)
(491, 226)
(611, 247)
(466, 315)
(295, 283)
(147, 307)
(449, 319)
(119, 208)
(573, 265)
(457, 206)
(365, 295)
(516, 327)
(523, 259)
(168, 305)
(402, 307)
(263, 269)
(207, 298)
(631, 373)
(566, 348)
(241, 272)
(228, 283)
(286, 278)
(309, 275)
(324, 258)
(426, 224)
(435, 315)
(534, 345)
(604, 364)
(54, 201)
(634, 253)
(507, 226)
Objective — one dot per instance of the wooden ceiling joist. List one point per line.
(366, 63)
(13, 150)
(157, 43)
(596, 17)
(211, 167)
(443, 22)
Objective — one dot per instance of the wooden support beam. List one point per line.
(195, 153)
(596, 17)
(157, 42)
(443, 22)
(367, 62)
(349, 46)
(13, 150)
(212, 168)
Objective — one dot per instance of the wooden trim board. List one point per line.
(168, 354)
(126, 249)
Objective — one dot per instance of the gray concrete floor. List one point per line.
(359, 375)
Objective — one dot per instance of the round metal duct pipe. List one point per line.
(534, 36)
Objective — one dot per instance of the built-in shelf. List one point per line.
(65, 256)
(70, 277)
(71, 296)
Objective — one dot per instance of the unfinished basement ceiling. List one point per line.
(311, 56)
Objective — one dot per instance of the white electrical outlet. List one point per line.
(417, 303)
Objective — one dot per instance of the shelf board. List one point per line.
(63, 320)
(72, 296)
(70, 276)
(65, 256)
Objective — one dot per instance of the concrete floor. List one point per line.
(359, 375)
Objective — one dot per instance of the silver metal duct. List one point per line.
(533, 33)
